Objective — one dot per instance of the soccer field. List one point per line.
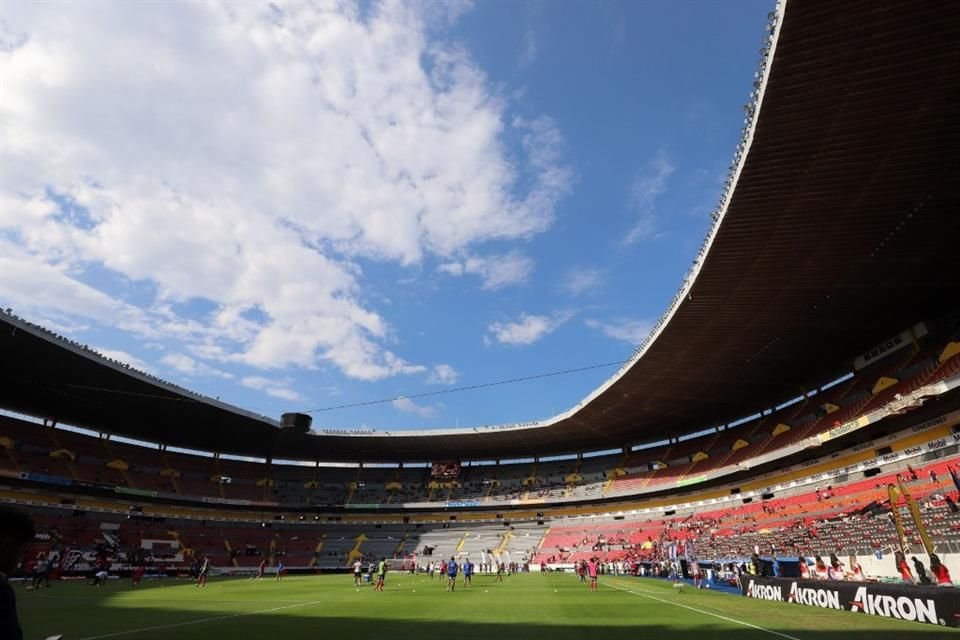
(525, 607)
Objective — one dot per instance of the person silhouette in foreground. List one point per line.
(16, 530)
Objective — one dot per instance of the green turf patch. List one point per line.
(527, 607)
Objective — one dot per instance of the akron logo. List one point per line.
(902, 607)
(764, 591)
(814, 597)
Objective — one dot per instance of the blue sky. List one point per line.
(292, 207)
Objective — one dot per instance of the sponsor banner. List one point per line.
(844, 429)
(42, 477)
(463, 503)
(135, 492)
(242, 503)
(930, 605)
(694, 480)
(885, 348)
(951, 417)
(362, 505)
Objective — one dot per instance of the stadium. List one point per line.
(789, 430)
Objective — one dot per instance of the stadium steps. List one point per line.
(219, 474)
(174, 478)
(948, 363)
(51, 431)
(707, 450)
(355, 552)
(543, 539)
(184, 548)
(504, 541)
(463, 540)
(226, 544)
(399, 549)
(317, 550)
(112, 455)
(12, 456)
(272, 553)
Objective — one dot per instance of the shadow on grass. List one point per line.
(94, 612)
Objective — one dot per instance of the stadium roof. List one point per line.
(839, 229)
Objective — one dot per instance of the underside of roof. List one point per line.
(840, 232)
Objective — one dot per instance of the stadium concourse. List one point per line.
(791, 426)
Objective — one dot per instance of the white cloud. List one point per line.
(274, 388)
(443, 374)
(187, 365)
(530, 51)
(258, 157)
(409, 406)
(123, 357)
(631, 331)
(650, 183)
(580, 280)
(496, 271)
(528, 329)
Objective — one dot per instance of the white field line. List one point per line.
(201, 620)
(646, 594)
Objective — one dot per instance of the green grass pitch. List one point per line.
(525, 607)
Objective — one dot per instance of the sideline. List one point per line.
(646, 594)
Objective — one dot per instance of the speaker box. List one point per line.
(299, 422)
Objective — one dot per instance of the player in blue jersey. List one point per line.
(452, 575)
(467, 572)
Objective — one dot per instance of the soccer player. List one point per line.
(467, 572)
(452, 575)
(381, 574)
(500, 569)
(204, 571)
(280, 569)
(16, 530)
(136, 574)
(357, 572)
(592, 571)
(100, 577)
(261, 569)
(41, 572)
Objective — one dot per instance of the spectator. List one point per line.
(804, 572)
(939, 571)
(905, 574)
(16, 529)
(820, 569)
(921, 572)
(835, 571)
(856, 571)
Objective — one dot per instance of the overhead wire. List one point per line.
(472, 387)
